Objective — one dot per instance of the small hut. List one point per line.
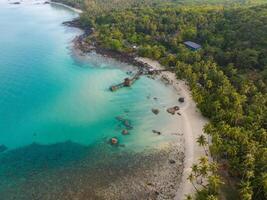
(127, 82)
(192, 45)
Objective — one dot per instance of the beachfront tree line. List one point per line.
(228, 76)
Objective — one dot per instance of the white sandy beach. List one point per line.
(191, 126)
(66, 6)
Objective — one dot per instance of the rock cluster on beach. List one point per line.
(173, 110)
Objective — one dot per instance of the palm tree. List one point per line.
(191, 178)
(202, 141)
(188, 197)
(212, 197)
(214, 183)
(195, 169)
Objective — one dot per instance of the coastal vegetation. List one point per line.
(228, 76)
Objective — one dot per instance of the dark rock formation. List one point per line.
(172, 110)
(157, 132)
(181, 99)
(171, 161)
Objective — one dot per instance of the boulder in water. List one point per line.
(176, 108)
(157, 132)
(171, 111)
(155, 111)
(114, 141)
(181, 99)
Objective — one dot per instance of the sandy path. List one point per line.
(192, 125)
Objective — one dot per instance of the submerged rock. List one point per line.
(126, 123)
(119, 118)
(3, 148)
(155, 111)
(126, 111)
(125, 132)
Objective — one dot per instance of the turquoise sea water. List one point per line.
(48, 97)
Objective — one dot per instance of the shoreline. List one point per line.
(79, 11)
(193, 123)
(190, 123)
(192, 120)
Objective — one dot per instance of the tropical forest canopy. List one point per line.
(228, 76)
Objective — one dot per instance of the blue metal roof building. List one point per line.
(192, 45)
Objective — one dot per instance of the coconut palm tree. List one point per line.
(202, 141)
(214, 183)
(188, 197)
(192, 178)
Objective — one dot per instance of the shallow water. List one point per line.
(54, 109)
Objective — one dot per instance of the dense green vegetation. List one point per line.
(228, 76)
